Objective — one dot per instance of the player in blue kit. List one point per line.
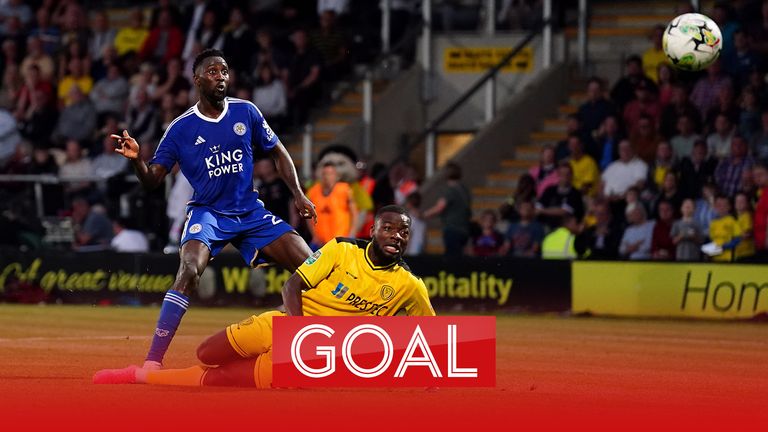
(213, 143)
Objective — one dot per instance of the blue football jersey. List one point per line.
(216, 155)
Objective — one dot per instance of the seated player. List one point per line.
(346, 277)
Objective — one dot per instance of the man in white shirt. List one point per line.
(128, 240)
(624, 173)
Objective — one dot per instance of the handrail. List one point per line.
(489, 74)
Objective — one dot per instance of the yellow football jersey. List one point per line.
(343, 281)
(721, 231)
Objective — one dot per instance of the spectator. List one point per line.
(624, 90)
(173, 81)
(719, 141)
(760, 140)
(238, 39)
(524, 237)
(669, 191)
(726, 104)
(559, 244)
(74, 166)
(130, 39)
(722, 17)
(142, 118)
(274, 192)
(93, 229)
(585, 172)
(601, 240)
(704, 211)
(128, 240)
(330, 43)
(707, 88)
(682, 143)
(37, 121)
(605, 147)
(16, 9)
(75, 78)
(110, 93)
(666, 83)
(662, 246)
(624, 173)
(545, 173)
(339, 7)
(37, 57)
(749, 117)
(696, 170)
(644, 139)
(679, 106)
(746, 247)
(418, 225)
(488, 241)
(208, 34)
(33, 83)
(759, 31)
(454, 208)
(192, 21)
(654, 56)
(760, 225)
(102, 37)
(661, 165)
(11, 88)
(525, 190)
(269, 96)
(596, 108)
(560, 200)
(644, 105)
(636, 241)
(743, 60)
(9, 137)
(687, 235)
(164, 41)
(49, 35)
(109, 163)
(729, 172)
(77, 120)
(572, 127)
(724, 230)
(336, 208)
(303, 78)
(267, 54)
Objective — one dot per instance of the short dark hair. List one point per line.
(204, 54)
(453, 171)
(392, 209)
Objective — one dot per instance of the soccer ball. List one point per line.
(692, 41)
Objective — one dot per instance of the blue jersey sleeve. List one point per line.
(263, 135)
(167, 153)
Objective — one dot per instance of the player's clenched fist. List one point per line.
(127, 146)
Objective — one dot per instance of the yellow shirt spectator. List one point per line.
(130, 39)
(84, 83)
(747, 246)
(652, 58)
(722, 231)
(585, 173)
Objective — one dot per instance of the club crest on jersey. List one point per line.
(239, 128)
(387, 292)
(196, 228)
(268, 130)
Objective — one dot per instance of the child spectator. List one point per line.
(704, 211)
(745, 248)
(525, 236)
(687, 234)
(724, 230)
(489, 241)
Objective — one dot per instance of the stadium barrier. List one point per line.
(474, 284)
(688, 290)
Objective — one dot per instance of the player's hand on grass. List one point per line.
(306, 208)
(127, 146)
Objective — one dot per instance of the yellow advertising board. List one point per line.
(479, 59)
(699, 290)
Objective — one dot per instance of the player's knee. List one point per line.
(188, 270)
(206, 354)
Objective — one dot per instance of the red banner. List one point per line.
(384, 351)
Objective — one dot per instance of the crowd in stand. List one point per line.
(659, 166)
(70, 79)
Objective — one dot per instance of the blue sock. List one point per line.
(171, 312)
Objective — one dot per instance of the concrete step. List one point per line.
(633, 7)
(332, 124)
(492, 192)
(567, 109)
(546, 137)
(528, 153)
(555, 125)
(479, 206)
(347, 109)
(646, 22)
(516, 164)
(610, 32)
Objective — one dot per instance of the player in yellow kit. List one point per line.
(346, 277)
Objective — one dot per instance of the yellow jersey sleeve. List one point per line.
(418, 304)
(321, 263)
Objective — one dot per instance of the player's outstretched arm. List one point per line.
(149, 176)
(287, 171)
(292, 294)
